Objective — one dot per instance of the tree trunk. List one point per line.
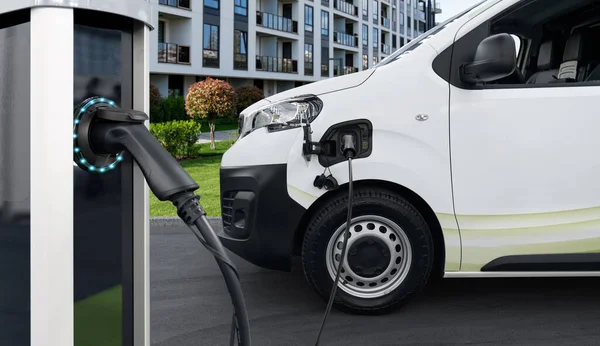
(211, 125)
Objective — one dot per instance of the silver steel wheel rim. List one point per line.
(379, 228)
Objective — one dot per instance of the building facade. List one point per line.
(277, 44)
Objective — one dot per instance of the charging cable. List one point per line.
(349, 150)
(113, 130)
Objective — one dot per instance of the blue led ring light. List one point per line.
(81, 116)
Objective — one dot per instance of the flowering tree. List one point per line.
(210, 99)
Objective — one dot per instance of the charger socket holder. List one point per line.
(84, 155)
(331, 142)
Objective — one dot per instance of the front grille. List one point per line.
(227, 209)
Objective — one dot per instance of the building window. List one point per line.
(176, 3)
(210, 54)
(365, 9)
(308, 59)
(374, 60)
(212, 3)
(308, 18)
(365, 35)
(161, 31)
(324, 23)
(375, 38)
(324, 61)
(241, 7)
(375, 12)
(365, 62)
(240, 50)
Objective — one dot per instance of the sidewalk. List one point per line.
(219, 136)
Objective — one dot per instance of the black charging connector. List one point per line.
(349, 146)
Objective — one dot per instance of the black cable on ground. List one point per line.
(231, 280)
(190, 211)
(339, 269)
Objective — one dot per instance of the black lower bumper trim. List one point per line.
(544, 263)
(259, 217)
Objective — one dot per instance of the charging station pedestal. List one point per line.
(74, 244)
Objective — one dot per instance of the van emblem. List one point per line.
(422, 117)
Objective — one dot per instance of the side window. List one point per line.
(554, 45)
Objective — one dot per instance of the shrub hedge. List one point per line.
(178, 137)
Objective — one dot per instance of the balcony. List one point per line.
(346, 7)
(385, 22)
(185, 4)
(386, 49)
(273, 64)
(345, 39)
(344, 70)
(275, 22)
(172, 53)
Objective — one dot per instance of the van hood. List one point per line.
(325, 86)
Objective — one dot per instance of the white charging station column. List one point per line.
(51, 177)
(74, 245)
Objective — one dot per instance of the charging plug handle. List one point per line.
(165, 176)
(348, 146)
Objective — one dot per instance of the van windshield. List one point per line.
(416, 42)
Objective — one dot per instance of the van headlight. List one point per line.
(285, 114)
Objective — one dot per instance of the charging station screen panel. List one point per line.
(103, 201)
(15, 225)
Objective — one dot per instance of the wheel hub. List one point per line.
(378, 256)
(368, 257)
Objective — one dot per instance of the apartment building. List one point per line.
(277, 44)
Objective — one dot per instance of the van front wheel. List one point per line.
(389, 255)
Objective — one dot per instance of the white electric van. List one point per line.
(478, 155)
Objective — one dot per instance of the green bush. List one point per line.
(177, 137)
(246, 96)
(156, 114)
(174, 108)
(168, 109)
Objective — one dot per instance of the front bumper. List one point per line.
(259, 217)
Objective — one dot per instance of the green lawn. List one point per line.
(205, 171)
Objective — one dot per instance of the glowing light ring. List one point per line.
(79, 157)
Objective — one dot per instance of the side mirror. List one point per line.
(494, 59)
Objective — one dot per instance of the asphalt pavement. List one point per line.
(190, 306)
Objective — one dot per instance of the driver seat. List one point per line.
(545, 61)
(570, 69)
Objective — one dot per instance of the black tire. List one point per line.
(368, 201)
